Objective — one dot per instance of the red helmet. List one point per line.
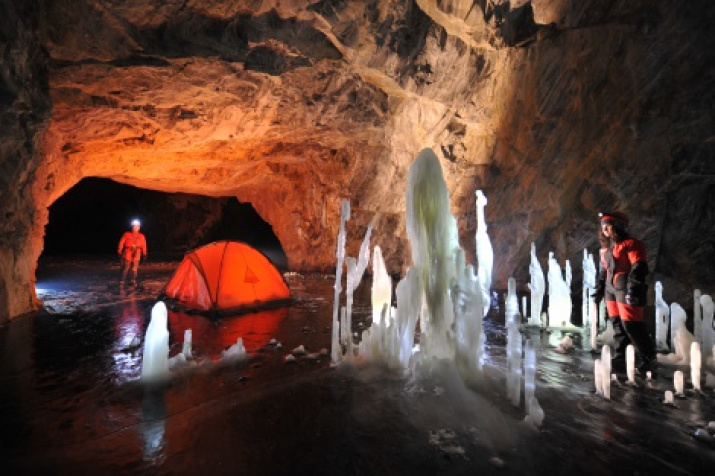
(614, 217)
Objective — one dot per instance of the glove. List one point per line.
(632, 300)
(597, 297)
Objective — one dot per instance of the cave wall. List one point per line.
(24, 113)
(556, 109)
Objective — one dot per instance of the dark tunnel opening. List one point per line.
(89, 219)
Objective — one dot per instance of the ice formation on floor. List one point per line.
(697, 316)
(534, 412)
(695, 364)
(631, 364)
(186, 347)
(538, 288)
(511, 303)
(708, 329)
(682, 338)
(605, 372)
(662, 319)
(439, 289)
(679, 382)
(236, 352)
(589, 286)
(485, 253)
(559, 294)
(340, 254)
(381, 287)
(513, 360)
(155, 360)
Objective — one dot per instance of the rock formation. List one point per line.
(555, 109)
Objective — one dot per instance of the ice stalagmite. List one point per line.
(708, 328)
(534, 412)
(186, 348)
(697, 317)
(538, 288)
(485, 253)
(529, 371)
(355, 270)
(432, 231)
(662, 319)
(155, 361)
(409, 304)
(598, 376)
(511, 304)
(593, 324)
(695, 364)
(340, 254)
(679, 382)
(381, 286)
(589, 285)
(513, 362)
(559, 295)
(606, 371)
(468, 307)
(347, 324)
(631, 363)
(683, 337)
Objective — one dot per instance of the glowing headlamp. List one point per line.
(136, 222)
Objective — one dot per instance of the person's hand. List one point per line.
(632, 300)
(597, 298)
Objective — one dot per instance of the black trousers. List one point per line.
(633, 332)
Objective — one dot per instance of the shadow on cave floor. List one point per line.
(72, 402)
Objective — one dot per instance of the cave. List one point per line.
(255, 120)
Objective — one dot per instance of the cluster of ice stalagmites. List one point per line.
(439, 290)
(442, 294)
(681, 339)
(683, 348)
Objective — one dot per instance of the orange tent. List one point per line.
(226, 277)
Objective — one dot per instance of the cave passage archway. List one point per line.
(90, 218)
(78, 269)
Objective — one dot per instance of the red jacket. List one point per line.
(132, 246)
(624, 268)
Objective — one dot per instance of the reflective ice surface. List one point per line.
(72, 401)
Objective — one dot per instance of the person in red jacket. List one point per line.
(132, 248)
(622, 282)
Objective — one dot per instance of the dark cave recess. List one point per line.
(90, 218)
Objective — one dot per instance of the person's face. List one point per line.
(607, 229)
(135, 228)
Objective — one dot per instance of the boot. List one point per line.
(618, 362)
(638, 334)
(650, 365)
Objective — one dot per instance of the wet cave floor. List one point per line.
(72, 402)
